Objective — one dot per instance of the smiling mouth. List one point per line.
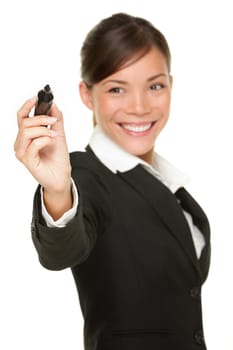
(137, 128)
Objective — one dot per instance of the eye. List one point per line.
(116, 90)
(157, 86)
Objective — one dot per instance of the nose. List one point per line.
(138, 104)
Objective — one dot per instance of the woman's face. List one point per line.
(132, 105)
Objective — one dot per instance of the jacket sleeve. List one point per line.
(60, 248)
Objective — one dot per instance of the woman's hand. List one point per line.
(45, 154)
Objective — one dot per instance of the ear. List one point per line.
(85, 95)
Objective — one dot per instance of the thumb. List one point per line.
(55, 112)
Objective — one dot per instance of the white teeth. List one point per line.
(137, 128)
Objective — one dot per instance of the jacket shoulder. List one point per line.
(79, 159)
(89, 174)
(88, 161)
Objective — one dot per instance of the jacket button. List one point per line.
(199, 338)
(195, 292)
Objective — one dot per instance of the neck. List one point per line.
(147, 157)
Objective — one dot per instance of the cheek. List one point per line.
(106, 108)
(163, 103)
(102, 111)
(100, 103)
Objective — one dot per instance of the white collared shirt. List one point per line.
(116, 159)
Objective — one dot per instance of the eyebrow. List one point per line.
(157, 76)
(123, 82)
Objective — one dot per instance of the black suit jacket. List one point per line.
(132, 257)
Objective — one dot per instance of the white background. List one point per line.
(40, 43)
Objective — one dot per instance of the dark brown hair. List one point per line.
(114, 42)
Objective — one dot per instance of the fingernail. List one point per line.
(52, 120)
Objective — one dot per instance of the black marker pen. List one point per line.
(45, 100)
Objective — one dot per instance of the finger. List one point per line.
(36, 146)
(27, 136)
(41, 120)
(32, 157)
(26, 108)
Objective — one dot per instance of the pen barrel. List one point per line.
(43, 108)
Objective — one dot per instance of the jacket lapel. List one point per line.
(201, 221)
(191, 206)
(165, 204)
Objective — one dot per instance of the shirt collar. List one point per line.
(117, 159)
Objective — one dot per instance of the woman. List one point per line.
(118, 214)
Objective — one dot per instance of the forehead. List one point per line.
(151, 63)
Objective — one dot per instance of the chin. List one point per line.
(140, 152)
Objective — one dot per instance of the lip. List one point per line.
(138, 133)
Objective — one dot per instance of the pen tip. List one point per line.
(47, 88)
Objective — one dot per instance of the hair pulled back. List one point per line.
(115, 41)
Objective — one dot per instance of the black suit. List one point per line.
(132, 257)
